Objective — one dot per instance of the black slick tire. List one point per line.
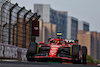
(84, 54)
(32, 50)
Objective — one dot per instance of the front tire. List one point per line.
(32, 50)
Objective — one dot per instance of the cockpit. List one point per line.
(57, 42)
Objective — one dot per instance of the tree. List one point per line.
(96, 61)
(90, 59)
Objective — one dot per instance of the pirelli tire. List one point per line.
(32, 50)
(84, 54)
(75, 51)
(75, 54)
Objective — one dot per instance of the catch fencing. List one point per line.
(15, 24)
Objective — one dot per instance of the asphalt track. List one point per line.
(39, 64)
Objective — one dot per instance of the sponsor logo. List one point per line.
(36, 28)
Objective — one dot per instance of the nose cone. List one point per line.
(53, 51)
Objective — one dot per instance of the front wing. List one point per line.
(55, 59)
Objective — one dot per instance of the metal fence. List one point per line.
(15, 24)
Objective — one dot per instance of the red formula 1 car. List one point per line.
(57, 50)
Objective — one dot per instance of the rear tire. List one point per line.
(75, 54)
(32, 50)
(75, 51)
(84, 54)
